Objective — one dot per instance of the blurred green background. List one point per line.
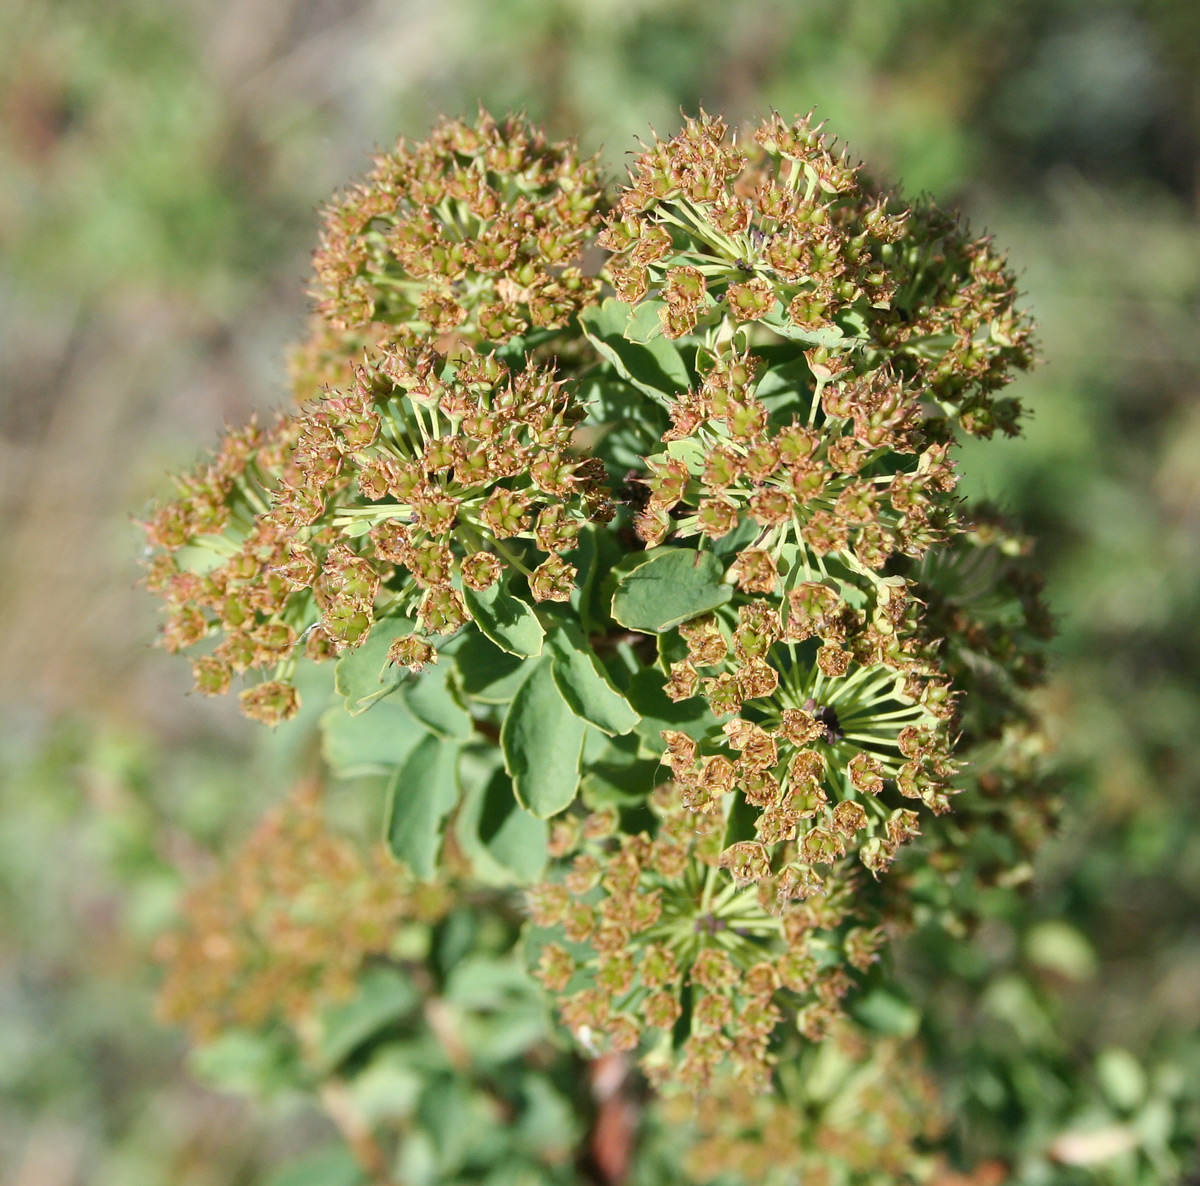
(161, 166)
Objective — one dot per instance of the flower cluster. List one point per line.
(420, 479)
(818, 753)
(838, 675)
(826, 678)
(843, 649)
(983, 599)
(833, 481)
(827, 718)
(983, 605)
(475, 232)
(786, 234)
(286, 927)
(825, 666)
(643, 930)
(854, 1111)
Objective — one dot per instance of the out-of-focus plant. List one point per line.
(660, 604)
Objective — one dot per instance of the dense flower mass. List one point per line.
(286, 927)
(396, 494)
(640, 924)
(476, 232)
(731, 678)
(855, 1111)
(785, 233)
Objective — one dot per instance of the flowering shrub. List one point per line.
(648, 587)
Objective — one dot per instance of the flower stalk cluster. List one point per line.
(766, 680)
(286, 926)
(651, 926)
(785, 232)
(855, 1109)
(423, 479)
(477, 233)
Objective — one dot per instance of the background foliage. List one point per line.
(160, 166)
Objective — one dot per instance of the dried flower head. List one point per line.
(422, 481)
(476, 232)
(286, 927)
(784, 234)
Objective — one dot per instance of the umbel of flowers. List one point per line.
(477, 231)
(286, 926)
(714, 635)
(400, 491)
(476, 235)
(785, 232)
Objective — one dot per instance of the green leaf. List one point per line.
(887, 1013)
(656, 367)
(368, 743)
(249, 1062)
(739, 824)
(1121, 1077)
(659, 711)
(786, 387)
(485, 672)
(508, 621)
(431, 702)
(584, 684)
(486, 984)
(548, 1121)
(645, 324)
(615, 772)
(1058, 947)
(542, 740)
(624, 425)
(421, 794)
(584, 556)
(690, 452)
(449, 1123)
(499, 1009)
(383, 995)
(674, 586)
(364, 675)
(502, 840)
(732, 542)
(596, 557)
(204, 554)
(620, 565)
(833, 338)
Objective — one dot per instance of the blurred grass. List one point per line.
(160, 170)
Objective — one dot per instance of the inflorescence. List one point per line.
(475, 233)
(285, 928)
(866, 657)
